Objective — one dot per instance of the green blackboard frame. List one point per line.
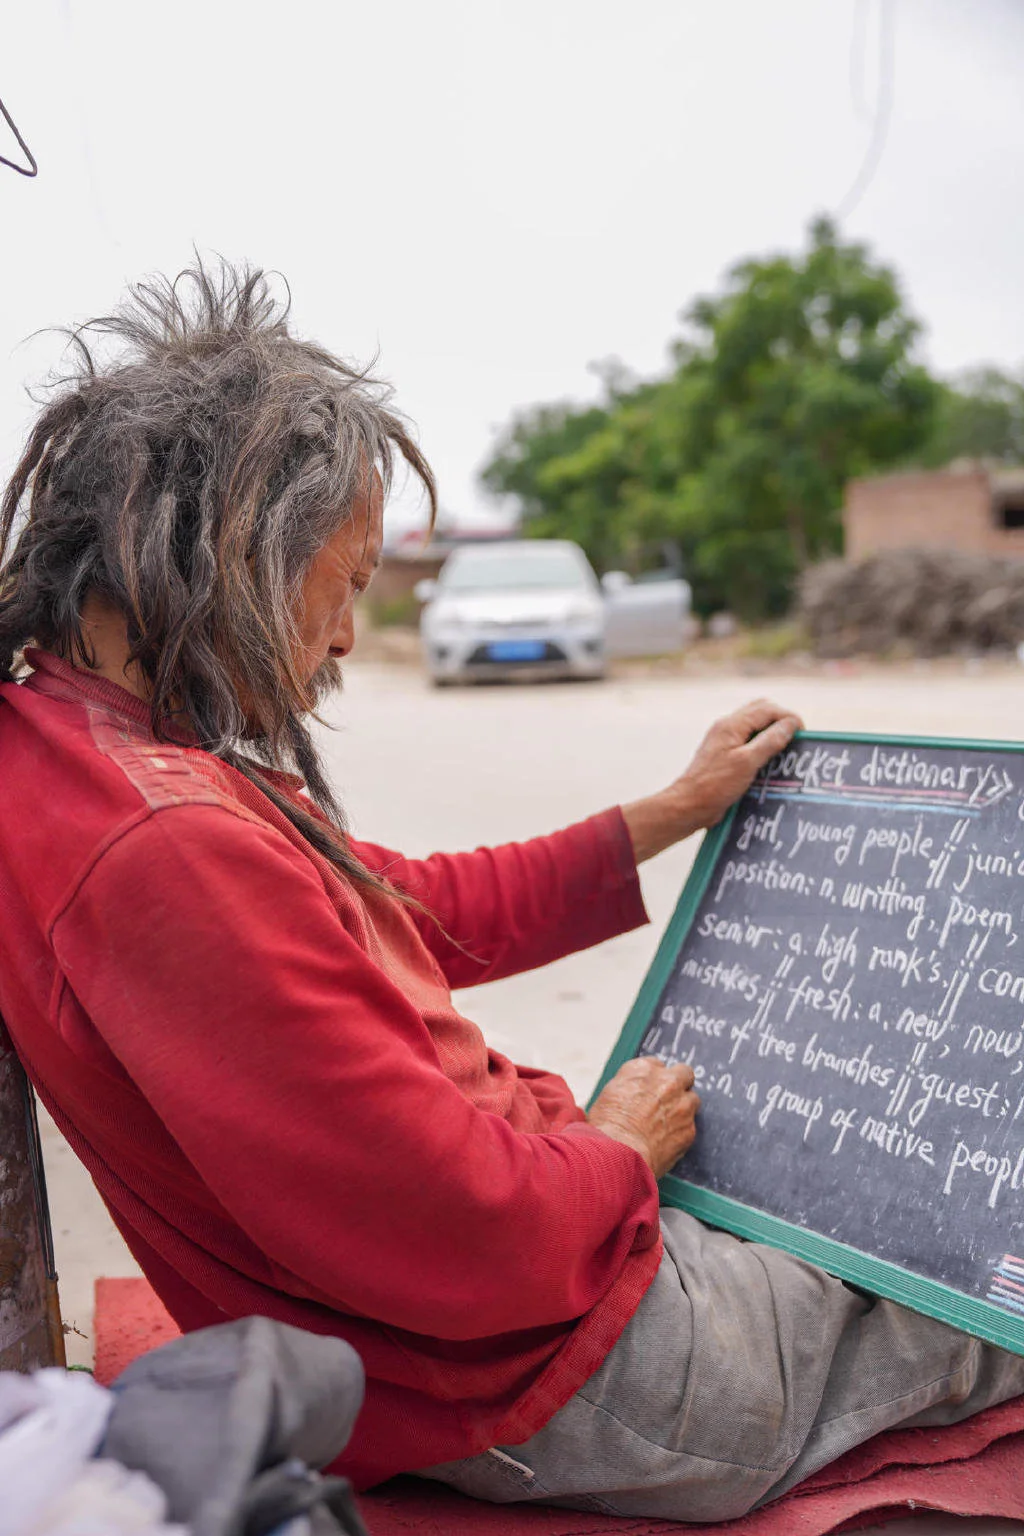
(974, 1315)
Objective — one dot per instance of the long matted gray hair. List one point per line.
(189, 482)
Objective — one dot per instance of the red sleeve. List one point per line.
(519, 906)
(305, 1090)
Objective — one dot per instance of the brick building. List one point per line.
(967, 506)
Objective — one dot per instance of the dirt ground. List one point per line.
(421, 769)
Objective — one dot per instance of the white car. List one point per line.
(535, 606)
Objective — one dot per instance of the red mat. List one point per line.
(975, 1468)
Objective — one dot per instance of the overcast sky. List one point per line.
(493, 195)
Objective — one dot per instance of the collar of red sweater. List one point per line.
(52, 674)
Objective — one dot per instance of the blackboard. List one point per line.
(845, 973)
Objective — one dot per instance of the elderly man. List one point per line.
(241, 1018)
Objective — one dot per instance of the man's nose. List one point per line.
(345, 634)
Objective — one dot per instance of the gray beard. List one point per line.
(327, 679)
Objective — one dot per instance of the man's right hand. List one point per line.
(650, 1107)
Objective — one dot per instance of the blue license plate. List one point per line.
(516, 650)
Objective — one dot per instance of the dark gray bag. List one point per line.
(229, 1422)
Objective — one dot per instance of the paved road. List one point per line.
(423, 770)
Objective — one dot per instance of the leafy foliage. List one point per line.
(798, 375)
(980, 416)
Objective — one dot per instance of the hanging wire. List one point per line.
(32, 168)
(858, 45)
(883, 110)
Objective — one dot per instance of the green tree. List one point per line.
(980, 415)
(534, 440)
(798, 375)
(599, 476)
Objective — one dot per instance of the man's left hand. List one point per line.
(734, 750)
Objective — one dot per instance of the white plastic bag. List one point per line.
(50, 1424)
(106, 1500)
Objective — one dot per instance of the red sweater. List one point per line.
(261, 1066)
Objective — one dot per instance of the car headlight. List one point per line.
(447, 620)
(582, 613)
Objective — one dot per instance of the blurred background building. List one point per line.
(968, 506)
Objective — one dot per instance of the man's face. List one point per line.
(338, 574)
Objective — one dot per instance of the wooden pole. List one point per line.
(31, 1331)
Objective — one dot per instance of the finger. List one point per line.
(773, 739)
(753, 717)
(757, 716)
(653, 1066)
(683, 1074)
(641, 1066)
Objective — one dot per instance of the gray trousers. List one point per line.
(743, 1371)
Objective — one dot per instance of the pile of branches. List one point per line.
(926, 602)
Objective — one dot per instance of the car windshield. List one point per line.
(511, 570)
